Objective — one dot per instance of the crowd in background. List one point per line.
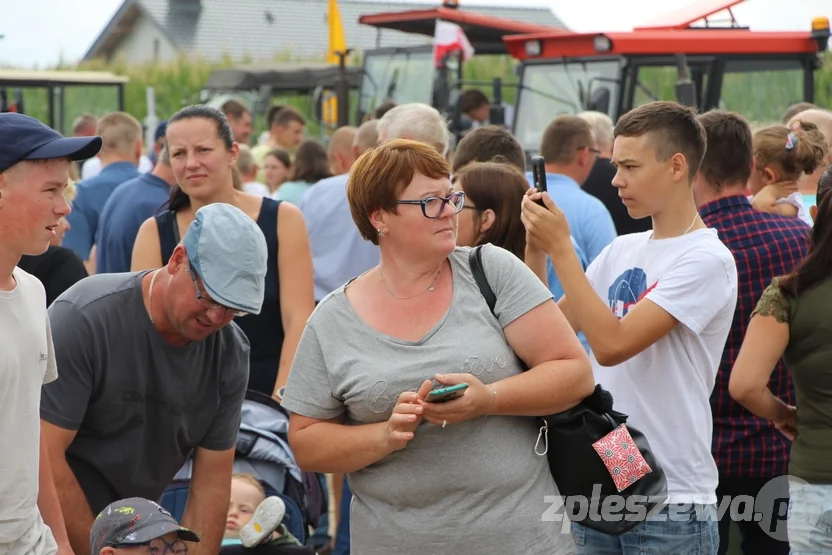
(681, 260)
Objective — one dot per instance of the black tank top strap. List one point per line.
(168, 233)
(267, 221)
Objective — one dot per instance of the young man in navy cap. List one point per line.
(153, 368)
(130, 524)
(34, 169)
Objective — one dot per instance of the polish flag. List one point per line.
(449, 37)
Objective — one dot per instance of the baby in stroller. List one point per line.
(255, 521)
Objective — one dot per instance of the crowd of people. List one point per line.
(683, 261)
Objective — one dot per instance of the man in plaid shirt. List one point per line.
(748, 451)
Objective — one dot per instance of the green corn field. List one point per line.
(759, 97)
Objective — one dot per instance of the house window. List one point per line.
(156, 50)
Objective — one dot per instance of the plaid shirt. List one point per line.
(764, 246)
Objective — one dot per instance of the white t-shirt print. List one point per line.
(666, 388)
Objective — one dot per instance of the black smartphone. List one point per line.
(539, 175)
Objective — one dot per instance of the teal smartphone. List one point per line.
(445, 394)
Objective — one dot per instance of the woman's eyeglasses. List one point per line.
(432, 207)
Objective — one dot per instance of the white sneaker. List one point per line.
(267, 517)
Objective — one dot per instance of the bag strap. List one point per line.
(475, 260)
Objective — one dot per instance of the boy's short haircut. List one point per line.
(730, 154)
(672, 128)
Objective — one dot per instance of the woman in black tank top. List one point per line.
(203, 154)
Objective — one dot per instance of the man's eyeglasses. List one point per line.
(432, 207)
(159, 547)
(207, 303)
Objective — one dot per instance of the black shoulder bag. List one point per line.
(594, 455)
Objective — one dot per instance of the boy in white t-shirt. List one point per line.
(34, 170)
(656, 308)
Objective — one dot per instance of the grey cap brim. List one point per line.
(159, 529)
(218, 297)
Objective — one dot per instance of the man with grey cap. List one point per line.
(34, 170)
(127, 525)
(153, 368)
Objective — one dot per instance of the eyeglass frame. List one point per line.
(446, 201)
(202, 300)
(168, 546)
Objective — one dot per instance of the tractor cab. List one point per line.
(413, 73)
(57, 97)
(319, 84)
(759, 74)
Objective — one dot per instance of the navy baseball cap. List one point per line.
(160, 130)
(134, 521)
(25, 138)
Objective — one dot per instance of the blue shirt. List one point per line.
(557, 289)
(292, 191)
(129, 206)
(89, 202)
(339, 252)
(589, 220)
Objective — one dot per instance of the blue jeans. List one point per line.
(810, 518)
(342, 535)
(676, 529)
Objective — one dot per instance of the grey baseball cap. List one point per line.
(228, 251)
(134, 521)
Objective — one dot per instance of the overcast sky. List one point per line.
(40, 32)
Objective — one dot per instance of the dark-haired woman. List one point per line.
(310, 166)
(792, 320)
(494, 192)
(203, 154)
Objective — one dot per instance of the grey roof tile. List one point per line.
(264, 29)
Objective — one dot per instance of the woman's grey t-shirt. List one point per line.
(471, 488)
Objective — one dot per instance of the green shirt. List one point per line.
(808, 357)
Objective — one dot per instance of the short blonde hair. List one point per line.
(367, 136)
(245, 160)
(380, 175)
(70, 191)
(119, 133)
(251, 480)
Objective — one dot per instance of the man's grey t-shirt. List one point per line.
(140, 405)
(471, 488)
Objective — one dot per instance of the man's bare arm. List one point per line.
(208, 495)
(74, 507)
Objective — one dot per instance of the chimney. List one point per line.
(185, 6)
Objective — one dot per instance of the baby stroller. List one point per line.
(263, 451)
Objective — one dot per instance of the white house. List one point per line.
(159, 30)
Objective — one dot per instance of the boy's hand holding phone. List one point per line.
(546, 226)
(476, 399)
